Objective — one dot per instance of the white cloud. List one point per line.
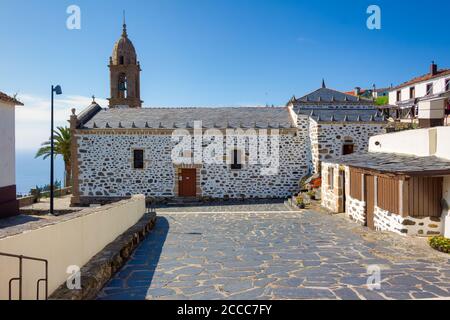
(33, 120)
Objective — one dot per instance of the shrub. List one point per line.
(300, 202)
(440, 243)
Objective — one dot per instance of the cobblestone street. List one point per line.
(267, 251)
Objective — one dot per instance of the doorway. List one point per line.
(188, 183)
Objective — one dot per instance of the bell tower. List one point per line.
(125, 72)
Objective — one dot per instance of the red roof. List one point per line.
(426, 77)
(4, 97)
(352, 93)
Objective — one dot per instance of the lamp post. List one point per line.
(55, 90)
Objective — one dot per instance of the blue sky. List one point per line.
(213, 52)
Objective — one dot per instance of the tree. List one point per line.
(382, 101)
(62, 140)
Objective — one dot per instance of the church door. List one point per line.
(188, 183)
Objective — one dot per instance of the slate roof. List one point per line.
(326, 95)
(172, 118)
(4, 97)
(395, 163)
(344, 115)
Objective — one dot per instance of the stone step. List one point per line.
(180, 202)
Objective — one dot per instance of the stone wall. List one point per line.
(331, 196)
(105, 168)
(387, 221)
(356, 210)
(327, 138)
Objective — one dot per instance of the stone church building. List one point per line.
(254, 152)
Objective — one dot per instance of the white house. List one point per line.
(401, 185)
(8, 202)
(409, 96)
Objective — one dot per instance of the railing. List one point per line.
(19, 278)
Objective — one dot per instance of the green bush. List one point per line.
(300, 202)
(381, 101)
(440, 243)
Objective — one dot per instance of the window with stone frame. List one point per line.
(138, 159)
(236, 159)
(331, 178)
(447, 84)
(348, 147)
(399, 95)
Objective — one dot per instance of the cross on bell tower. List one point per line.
(124, 73)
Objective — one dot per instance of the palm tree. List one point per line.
(61, 138)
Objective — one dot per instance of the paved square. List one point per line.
(267, 251)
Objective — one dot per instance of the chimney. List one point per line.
(433, 68)
(357, 91)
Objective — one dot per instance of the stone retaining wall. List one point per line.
(102, 267)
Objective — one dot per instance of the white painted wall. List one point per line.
(66, 243)
(415, 142)
(421, 89)
(432, 109)
(443, 142)
(7, 145)
(420, 142)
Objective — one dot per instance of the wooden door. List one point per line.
(188, 183)
(369, 197)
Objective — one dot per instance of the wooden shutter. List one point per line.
(388, 194)
(355, 184)
(424, 197)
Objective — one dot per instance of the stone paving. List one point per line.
(270, 252)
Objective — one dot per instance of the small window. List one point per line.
(331, 178)
(399, 95)
(429, 89)
(412, 92)
(447, 85)
(348, 147)
(236, 163)
(138, 159)
(121, 60)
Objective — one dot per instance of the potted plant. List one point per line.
(300, 202)
(312, 194)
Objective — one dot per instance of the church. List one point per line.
(207, 153)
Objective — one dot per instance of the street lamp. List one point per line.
(58, 91)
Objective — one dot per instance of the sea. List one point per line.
(31, 172)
